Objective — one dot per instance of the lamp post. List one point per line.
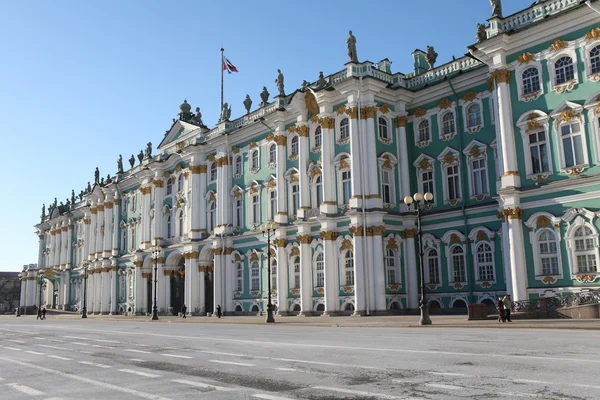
(42, 284)
(85, 266)
(421, 202)
(155, 253)
(19, 304)
(268, 230)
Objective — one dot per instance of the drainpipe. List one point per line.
(363, 199)
(459, 131)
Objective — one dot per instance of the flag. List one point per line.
(227, 65)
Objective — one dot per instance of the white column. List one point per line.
(106, 287)
(306, 269)
(65, 296)
(190, 265)
(163, 280)
(116, 228)
(282, 273)
(23, 296)
(218, 274)
(356, 163)
(516, 254)
(41, 247)
(411, 268)
(114, 297)
(167, 288)
(303, 158)
(139, 288)
(70, 250)
(92, 235)
(108, 227)
(329, 205)
(404, 167)
(201, 204)
(196, 199)
(281, 140)
(99, 229)
(360, 273)
(331, 267)
(378, 268)
(228, 276)
(369, 163)
(202, 290)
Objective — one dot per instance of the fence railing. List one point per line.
(559, 301)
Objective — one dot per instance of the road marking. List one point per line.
(444, 386)
(55, 398)
(107, 341)
(60, 357)
(138, 351)
(57, 340)
(446, 373)
(549, 383)
(75, 337)
(14, 340)
(39, 338)
(85, 352)
(203, 385)
(140, 373)
(232, 363)
(102, 346)
(137, 359)
(25, 389)
(175, 355)
(1, 378)
(12, 348)
(101, 384)
(54, 347)
(359, 393)
(94, 364)
(287, 369)
(219, 353)
(37, 353)
(270, 397)
(79, 343)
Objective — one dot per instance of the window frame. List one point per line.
(476, 152)
(520, 67)
(446, 162)
(419, 129)
(212, 172)
(568, 51)
(425, 164)
(384, 130)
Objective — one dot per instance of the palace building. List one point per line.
(506, 138)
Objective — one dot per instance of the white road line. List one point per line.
(39, 338)
(75, 337)
(359, 393)
(55, 398)
(270, 397)
(220, 353)
(57, 340)
(12, 348)
(203, 385)
(85, 352)
(14, 340)
(175, 355)
(25, 389)
(447, 373)
(54, 347)
(1, 378)
(140, 373)
(287, 369)
(444, 386)
(549, 383)
(138, 351)
(106, 341)
(79, 343)
(137, 359)
(101, 384)
(94, 364)
(60, 357)
(233, 363)
(37, 353)
(102, 346)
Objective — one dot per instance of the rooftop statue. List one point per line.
(431, 56)
(68, 205)
(481, 34)
(102, 181)
(108, 179)
(496, 8)
(141, 156)
(89, 187)
(247, 104)
(197, 118)
(72, 196)
(81, 195)
(321, 82)
(148, 150)
(120, 165)
(185, 113)
(279, 82)
(225, 112)
(97, 175)
(351, 42)
(43, 211)
(132, 161)
(264, 96)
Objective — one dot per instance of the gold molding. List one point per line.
(329, 235)
(511, 173)
(525, 58)
(281, 140)
(444, 103)
(352, 112)
(280, 242)
(409, 233)
(419, 112)
(304, 239)
(558, 45)
(384, 108)
(368, 112)
(469, 96)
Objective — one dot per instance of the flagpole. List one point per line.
(222, 65)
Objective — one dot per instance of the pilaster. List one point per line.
(404, 168)
(411, 267)
(356, 150)
(282, 272)
(516, 256)
(281, 139)
(329, 205)
(303, 158)
(330, 254)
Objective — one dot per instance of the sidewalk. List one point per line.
(396, 321)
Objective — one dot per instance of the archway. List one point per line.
(459, 304)
(178, 286)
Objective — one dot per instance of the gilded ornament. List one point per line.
(344, 163)
(304, 239)
(501, 76)
(449, 158)
(444, 103)
(328, 122)
(387, 164)
(592, 35)
(475, 152)
(557, 45)
(346, 245)
(356, 230)
(166, 174)
(295, 251)
(315, 172)
(533, 125)
(303, 131)
(280, 242)
(217, 251)
(311, 103)
(352, 112)
(252, 144)
(511, 173)
(392, 244)
(490, 82)
(314, 119)
(340, 110)
(409, 233)
(212, 157)
(548, 280)
(401, 121)
(272, 184)
(329, 235)
(368, 112)
(419, 112)
(454, 238)
(543, 221)
(458, 286)
(567, 115)
(94, 210)
(270, 137)
(281, 140)
(512, 213)
(384, 108)
(424, 164)
(378, 230)
(228, 251)
(485, 284)
(481, 235)
(235, 150)
(178, 168)
(469, 96)
(254, 257)
(525, 58)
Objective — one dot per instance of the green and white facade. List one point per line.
(507, 139)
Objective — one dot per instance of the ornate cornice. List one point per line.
(329, 235)
(304, 239)
(280, 242)
(409, 233)
(401, 121)
(512, 213)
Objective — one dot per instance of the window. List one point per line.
(133, 202)
(390, 266)
(255, 209)
(431, 261)
(386, 190)
(457, 259)
(485, 262)
(320, 270)
(452, 181)
(273, 203)
(318, 137)
(180, 223)
(572, 145)
(473, 115)
(180, 183)
(169, 186)
(346, 187)
(424, 135)
(479, 177)
(239, 277)
(531, 81)
(349, 268)
(563, 70)
(295, 198)
(274, 274)
(383, 129)
(344, 129)
(254, 158)
(585, 253)
(238, 212)
(255, 274)
(123, 241)
(538, 150)
(169, 227)
(238, 165)
(133, 238)
(595, 60)
(296, 267)
(213, 172)
(427, 181)
(318, 190)
(272, 153)
(448, 128)
(294, 146)
(212, 215)
(548, 252)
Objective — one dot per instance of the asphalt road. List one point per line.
(95, 359)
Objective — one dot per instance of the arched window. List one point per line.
(349, 268)
(295, 198)
(448, 124)
(563, 70)
(319, 190)
(320, 267)
(548, 252)
(272, 153)
(294, 146)
(254, 157)
(318, 137)
(255, 209)
(180, 183)
(169, 186)
(180, 223)
(212, 215)
(390, 265)
(595, 60)
(585, 254)
(273, 274)
(169, 227)
(473, 115)
(572, 145)
(296, 268)
(431, 261)
(344, 129)
(531, 81)
(383, 128)
(255, 274)
(346, 185)
(239, 277)
(485, 262)
(238, 165)
(273, 204)
(458, 264)
(213, 171)
(424, 135)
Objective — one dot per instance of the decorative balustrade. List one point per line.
(559, 301)
(441, 72)
(312, 213)
(173, 240)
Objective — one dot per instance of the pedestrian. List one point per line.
(500, 307)
(507, 307)
(43, 312)
(219, 311)
(183, 310)
(39, 313)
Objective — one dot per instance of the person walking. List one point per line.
(219, 311)
(39, 313)
(500, 307)
(43, 312)
(183, 311)
(508, 303)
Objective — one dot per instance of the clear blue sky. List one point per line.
(84, 81)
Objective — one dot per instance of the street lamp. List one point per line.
(155, 253)
(19, 304)
(421, 202)
(85, 266)
(42, 284)
(268, 230)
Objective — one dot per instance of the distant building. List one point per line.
(507, 138)
(10, 288)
